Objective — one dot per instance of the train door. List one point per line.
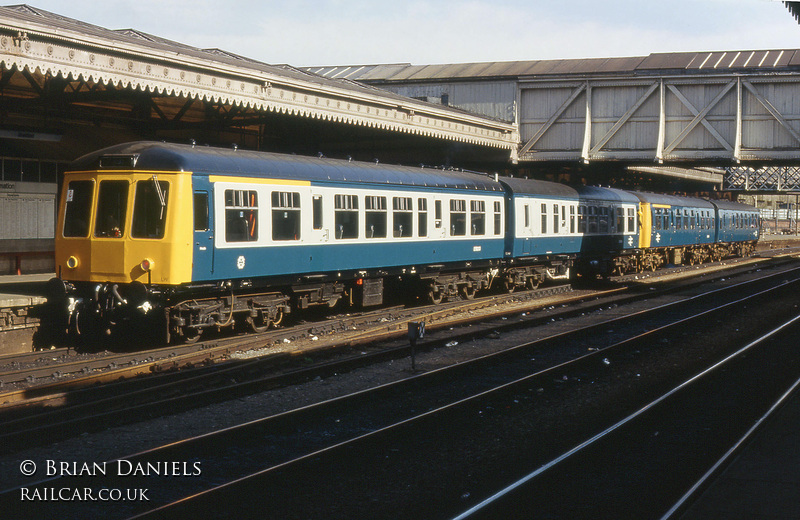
(525, 232)
(320, 231)
(203, 261)
(438, 224)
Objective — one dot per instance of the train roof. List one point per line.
(614, 194)
(733, 206)
(158, 156)
(536, 187)
(554, 189)
(672, 200)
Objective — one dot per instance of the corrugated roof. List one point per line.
(691, 62)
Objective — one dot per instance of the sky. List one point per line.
(359, 32)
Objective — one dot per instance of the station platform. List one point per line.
(763, 481)
(19, 294)
(23, 290)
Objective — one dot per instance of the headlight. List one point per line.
(72, 262)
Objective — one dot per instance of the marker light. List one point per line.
(72, 262)
(146, 264)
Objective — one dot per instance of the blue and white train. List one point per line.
(203, 237)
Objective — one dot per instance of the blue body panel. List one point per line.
(203, 250)
(246, 262)
(736, 222)
(682, 221)
(543, 246)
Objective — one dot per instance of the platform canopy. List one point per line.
(54, 66)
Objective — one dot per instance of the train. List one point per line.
(188, 238)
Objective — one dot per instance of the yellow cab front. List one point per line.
(125, 226)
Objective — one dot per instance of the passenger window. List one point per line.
(592, 219)
(527, 212)
(458, 217)
(201, 211)
(346, 216)
(572, 219)
(581, 219)
(631, 221)
(316, 211)
(604, 220)
(555, 218)
(112, 206)
(498, 219)
(620, 220)
(477, 216)
(402, 217)
(78, 208)
(285, 215)
(437, 215)
(150, 209)
(241, 216)
(422, 217)
(375, 218)
(544, 219)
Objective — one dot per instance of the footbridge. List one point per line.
(680, 110)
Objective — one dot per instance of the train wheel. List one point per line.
(278, 318)
(509, 285)
(192, 334)
(258, 323)
(531, 283)
(435, 295)
(468, 292)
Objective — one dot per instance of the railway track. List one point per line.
(51, 366)
(77, 406)
(678, 442)
(447, 420)
(48, 366)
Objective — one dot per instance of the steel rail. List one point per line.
(113, 406)
(134, 399)
(694, 490)
(30, 357)
(120, 366)
(564, 456)
(461, 402)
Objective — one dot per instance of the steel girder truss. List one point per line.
(683, 118)
(767, 178)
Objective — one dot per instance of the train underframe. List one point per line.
(650, 259)
(184, 313)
